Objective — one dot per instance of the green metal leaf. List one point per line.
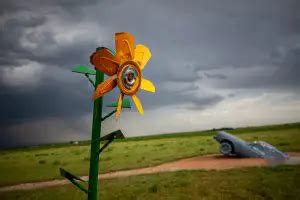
(84, 70)
(125, 104)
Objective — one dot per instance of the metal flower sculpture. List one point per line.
(124, 70)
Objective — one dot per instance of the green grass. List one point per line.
(282, 182)
(42, 163)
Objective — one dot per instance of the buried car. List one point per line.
(233, 146)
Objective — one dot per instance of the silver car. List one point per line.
(233, 146)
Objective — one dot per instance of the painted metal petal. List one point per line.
(105, 87)
(138, 104)
(124, 46)
(147, 85)
(142, 55)
(119, 108)
(105, 61)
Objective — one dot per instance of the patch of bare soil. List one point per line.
(211, 162)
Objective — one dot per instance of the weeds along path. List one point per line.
(211, 162)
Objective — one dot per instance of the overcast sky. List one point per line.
(215, 63)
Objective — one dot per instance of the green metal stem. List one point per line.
(96, 133)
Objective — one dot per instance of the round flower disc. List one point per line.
(129, 77)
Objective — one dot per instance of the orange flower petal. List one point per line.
(104, 61)
(124, 46)
(105, 87)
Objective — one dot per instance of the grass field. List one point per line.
(282, 182)
(42, 163)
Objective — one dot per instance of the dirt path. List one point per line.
(211, 162)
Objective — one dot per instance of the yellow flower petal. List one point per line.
(142, 55)
(138, 104)
(147, 85)
(119, 108)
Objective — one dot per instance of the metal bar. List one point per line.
(115, 135)
(96, 133)
(105, 145)
(68, 175)
(82, 188)
(108, 115)
(91, 80)
(72, 178)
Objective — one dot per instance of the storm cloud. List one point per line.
(206, 55)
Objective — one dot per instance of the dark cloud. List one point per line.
(202, 52)
(48, 100)
(199, 103)
(12, 30)
(14, 6)
(289, 71)
(278, 76)
(214, 76)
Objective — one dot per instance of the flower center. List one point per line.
(129, 76)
